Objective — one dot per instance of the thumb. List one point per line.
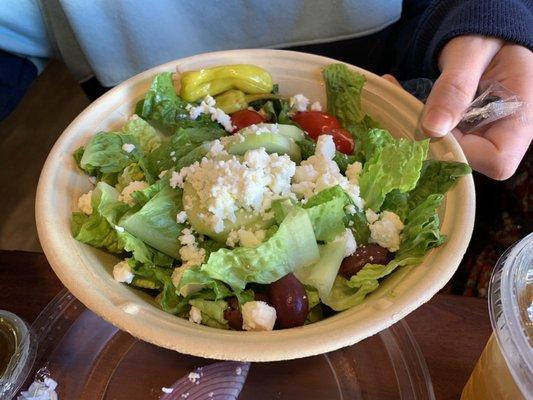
(462, 61)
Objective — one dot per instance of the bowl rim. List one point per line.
(276, 345)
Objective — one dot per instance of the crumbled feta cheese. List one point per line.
(190, 253)
(84, 203)
(325, 147)
(217, 149)
(320, 172)
(195, 315)
(371, 216)
(353, 171)
(181, 217)
(194, 377)
(225, 186)
(258, 316)
(119, 228)
(350, 209)
(133, 186)
(351, 244)
(316, 106)
(40, 390)
(122, 272)
(207, 106)
(246, 238)
(238, 371)
(128, 147)
(167, 390)
(386, 231)
(299, 102)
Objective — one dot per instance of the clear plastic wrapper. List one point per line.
(493, 102)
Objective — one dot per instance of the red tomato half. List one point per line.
(342, 139)
(243, 118)
(316, 122)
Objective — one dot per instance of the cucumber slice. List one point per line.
(244, 219)
(289, 131)
(271, 142)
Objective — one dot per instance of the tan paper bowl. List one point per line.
(86, 271)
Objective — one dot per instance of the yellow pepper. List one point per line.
(212, 81)
(236, 100)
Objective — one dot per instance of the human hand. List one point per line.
(496, 150)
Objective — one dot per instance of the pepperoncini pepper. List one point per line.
(236, 100)
(247, 78)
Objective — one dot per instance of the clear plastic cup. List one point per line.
(505, 368)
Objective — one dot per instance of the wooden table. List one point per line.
(450, 330)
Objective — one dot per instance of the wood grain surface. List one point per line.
(451, 331)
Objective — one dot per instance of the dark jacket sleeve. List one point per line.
(442, 20)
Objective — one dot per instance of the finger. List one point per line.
(498, 152)
(391, 79)
(462, 61)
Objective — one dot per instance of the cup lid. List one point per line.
(511, 311)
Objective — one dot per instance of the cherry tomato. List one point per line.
(342, 139)
(316, 122)
(243, 118)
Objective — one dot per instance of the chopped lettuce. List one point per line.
(291, 247)
(343, 296)
(168, 299)
(98, 229)
(147, 137)
(185, 147)
(212, 312)
(321, 275)
(396, 166)
(131, 173)
(104, 154)
(421, 233)
(164, 109)
(343, 91)
(155, 223)
(94, 230)
(436, 177)
(194, 280)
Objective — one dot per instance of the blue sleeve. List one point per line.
(442, 20)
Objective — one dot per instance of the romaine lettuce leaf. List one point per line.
(147, 137)
(212, 312)
(185, 147)
(164, 109)
(168, 299)
(98, 229)
(421, 233)
(342, 296)
(155, 223)
(131, 173)
(194, 280)
(321, 275)
(103, 153)
(292, 246)
(396, 166)
(94, 230)
(436, 177)
(343, 91)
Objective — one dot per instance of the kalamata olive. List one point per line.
(371, 253)
(233, 314)
(287, 295)
(261, 297)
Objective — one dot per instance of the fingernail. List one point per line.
(438, 122)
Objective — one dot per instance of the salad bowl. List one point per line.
(88, 272)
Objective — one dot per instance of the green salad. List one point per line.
(240, 208)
